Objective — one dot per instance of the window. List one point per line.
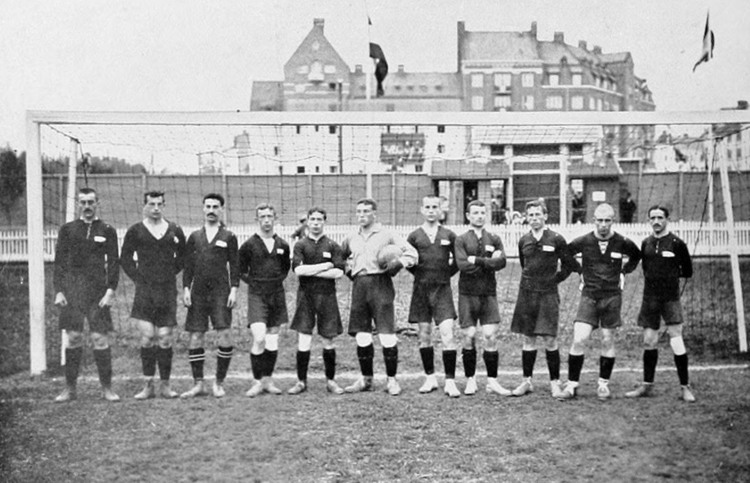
(397, 87)
(332, 86)
(739, 153)
(477, 103)
(316, 71)
(317, 169)
(477, 80)
(528, 103)
(276, 150)
(606, 105)
(299, 128)
(497, 150)
(418, 168)
(576, 103)
(554, 102)
(592, 104)
(329, 69)
(332, 129)
(390, 107)
(333, 169)
(299, 88)
(502, 81)
(554, 79)
(441, 129)
(438, 88)
(577, 79)
(303, 69)
(729, 154)
(441, 148)
(598, 104)
(502, 103)
(423, 88)
(527, 79)
(300, 170)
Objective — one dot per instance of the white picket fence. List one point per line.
(703, 239)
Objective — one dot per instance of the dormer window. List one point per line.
(316, 72)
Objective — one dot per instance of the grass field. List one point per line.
(375, 437)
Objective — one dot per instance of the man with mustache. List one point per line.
(665, 260)
(87, 270)
(210, 280)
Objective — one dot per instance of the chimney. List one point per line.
(460, 36)
(358, 68)
(559, 37)
(400, 68)
(582, 45)
(533, 29)
(597, 50)
(318, 23)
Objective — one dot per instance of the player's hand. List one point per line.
(497, 254)
(471, 259)
(232, 299)
(394, 266)
(106, 301)
(186, 299)
(60, 299)
(622, 281)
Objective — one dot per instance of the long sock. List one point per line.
(256, 364)
(575, 364)
(103, 358)
(365, 356)
(490, 361)
(329, 361)
(606, 364)
(681, 362)
(72, 364)
(197, 357)
(428, 359)
(449, 363)
(223, 358)
(469, 357)
(650, 358)
(528, 359)
(303, 360)
(270, 362)
(390, 355)
(148, 361)
(553, 364)
(164, 360)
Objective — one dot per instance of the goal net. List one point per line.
(696, 164)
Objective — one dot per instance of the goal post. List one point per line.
(332, 158)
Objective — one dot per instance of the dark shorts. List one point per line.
(269, 308)
(83, 306)
(477, 308)
(209, 306)
(431, 302)
(653, 309)
(321, 308)
(372, 300)
(536, 313)
(604, 313)
(156, 304)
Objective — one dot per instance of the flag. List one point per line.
(708, 45)
(381, 65)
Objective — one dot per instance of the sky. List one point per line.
(189, 55)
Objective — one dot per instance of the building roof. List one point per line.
(511, 46)
(401, 84)
(537, 134)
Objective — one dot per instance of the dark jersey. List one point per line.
(601, 270)
(478, 278)
(211, 265)
(539, 261)
(312, 252)
(436, 260)
(156, 261)
(264, 272)
(665, 260)
(86, 257)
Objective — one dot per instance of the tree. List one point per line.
(12, 180)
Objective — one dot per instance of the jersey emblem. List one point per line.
(221, 243)
(667, 254)
(616, 255)
(548, 248)
(99, 239)
(489, 248)
(326, 254)
(445, 243)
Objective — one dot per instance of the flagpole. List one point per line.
(369, 65)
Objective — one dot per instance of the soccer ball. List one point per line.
(387, 254)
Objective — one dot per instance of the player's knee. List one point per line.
(75, 339)
(304, 342)
(677, 343)
(425, 336)
(363, 339)
(388, 340)
(100, 341)
(550, 343)
(272, 342)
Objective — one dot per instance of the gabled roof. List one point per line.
(304, 53)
